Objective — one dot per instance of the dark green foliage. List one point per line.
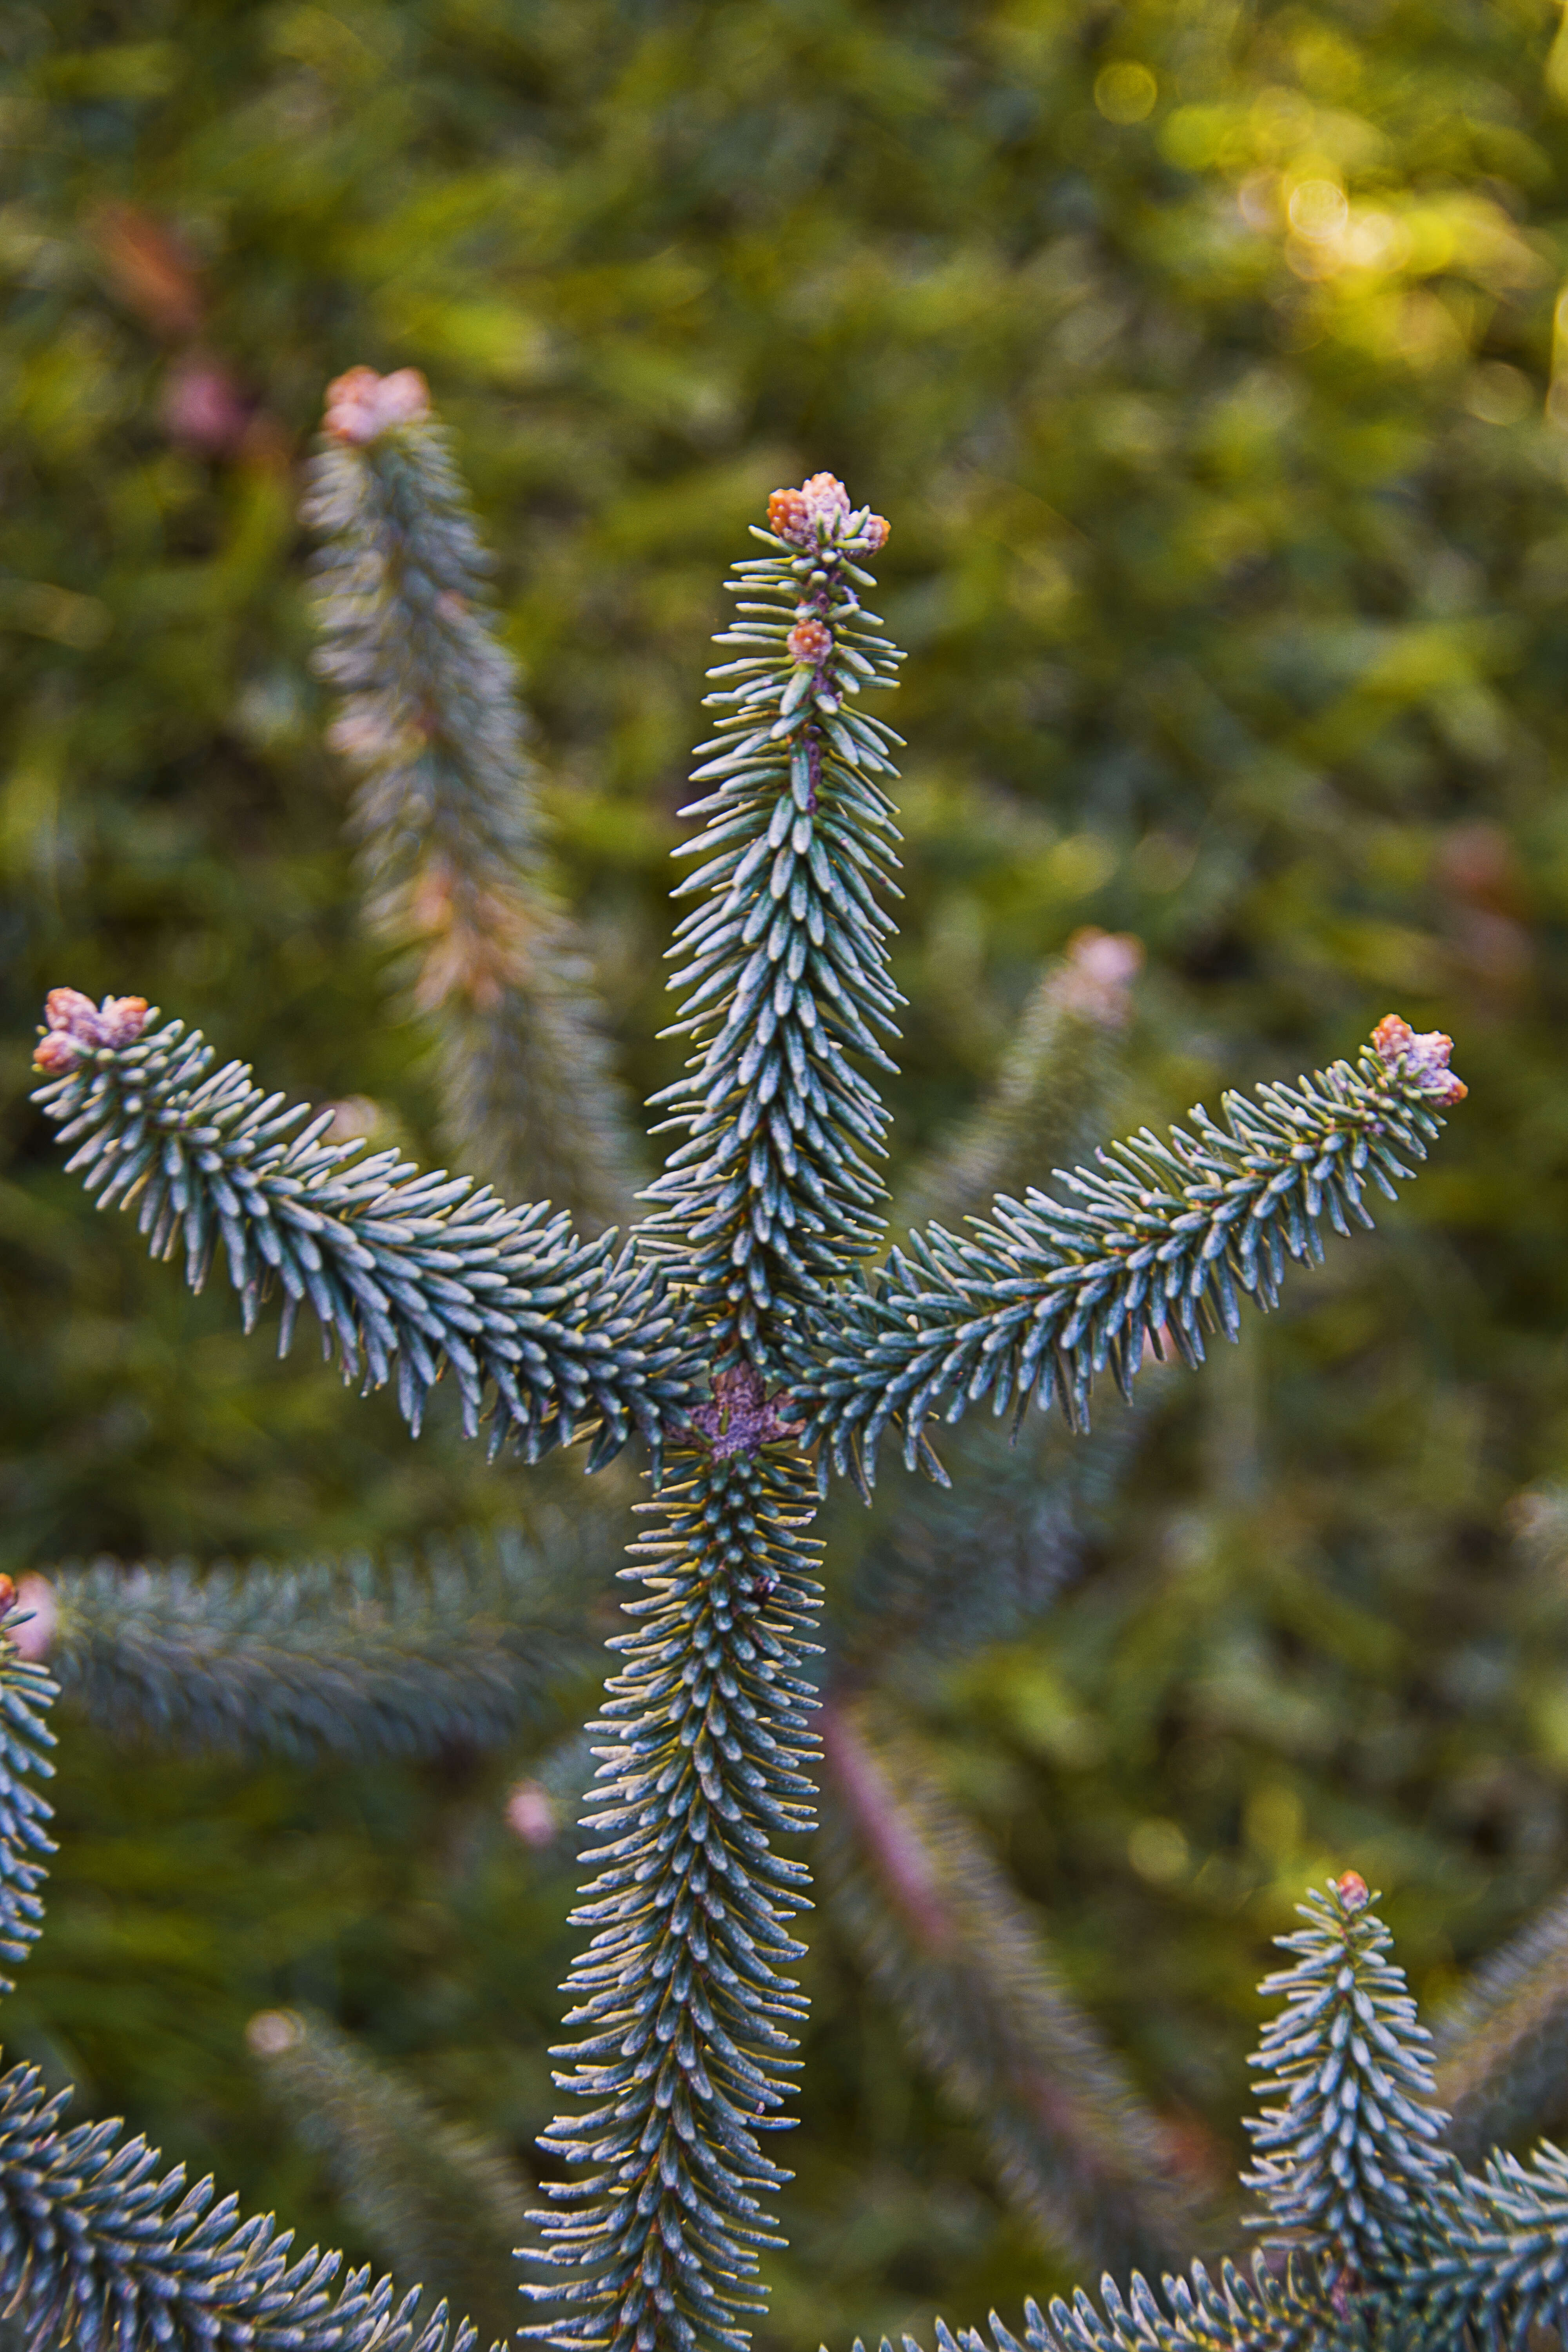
(325, 1658)
(453, 2203)
(444, 814)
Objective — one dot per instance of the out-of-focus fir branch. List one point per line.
(1154, 1246)
(446, 2204)
(949, 1943)
(321, 1657)
(445, 811)
(552, 1336)
(1501, 2044)
(1042, 1106)
(944, 1569)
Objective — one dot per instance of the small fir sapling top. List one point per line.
(737, 1324)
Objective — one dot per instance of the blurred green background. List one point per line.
(1204, 357)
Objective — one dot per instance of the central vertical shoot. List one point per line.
(763, 1209)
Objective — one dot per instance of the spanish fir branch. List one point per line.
(1078, 2154)
(686, 2012)
(1494, 2267)
(775, 1195)
(100, 2246)
(1346, 2162)
(445, 811)
(1382, 2245)
(1259, 2310)
(1155, 1245)
(549, 1337)
(321, 1658)
(1044, 1106)
(445, 2203)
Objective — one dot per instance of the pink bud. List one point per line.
(68, 1009)
(1420, 1057)
(56, 1055)
(361, 405)
(78, 1025)
(121, 1019)
(1098, 970)
(531, 1815)
(827, 503)
(810, 641)
(35, 1638)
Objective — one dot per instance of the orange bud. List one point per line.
(786, 515)
(1352, 1891)
(810, 641)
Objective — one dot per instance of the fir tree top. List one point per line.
(736, 1328)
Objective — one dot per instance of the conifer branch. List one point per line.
(100, 2247)
(445, 810)
(1047, 1294)
(775, 1196)
(951, 1567)
(551, 1337)
(1493, 2268)
(1044, 1103)
(943, 1935)
(1344, 2163)
(320, 1658)
(442, 2201)
(763, 1216)
(685, 2010)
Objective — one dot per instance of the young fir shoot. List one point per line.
(739, 1330)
